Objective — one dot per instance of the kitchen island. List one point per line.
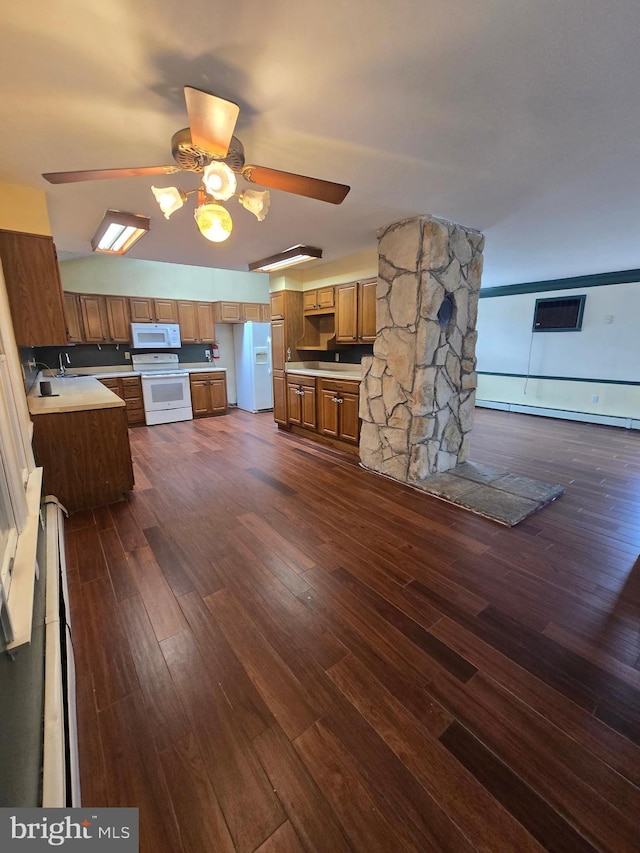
(81, 440)
(322, 401)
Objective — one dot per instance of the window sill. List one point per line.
(20, 602)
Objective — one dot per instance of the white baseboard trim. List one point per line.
(586, 417)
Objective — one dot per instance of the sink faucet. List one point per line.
(63, 368)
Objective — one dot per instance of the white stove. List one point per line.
(165, 387)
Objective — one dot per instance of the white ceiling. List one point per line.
(518, 117)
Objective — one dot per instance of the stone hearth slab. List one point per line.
(448, 486)
(491, 492)
(527, 488)
(477, 473)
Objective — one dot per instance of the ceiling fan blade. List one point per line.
(212, 120)
(102, 174)
(298, 184)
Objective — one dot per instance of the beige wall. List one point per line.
(24, 209)
(129, 276)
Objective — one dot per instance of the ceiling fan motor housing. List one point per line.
(193, 159)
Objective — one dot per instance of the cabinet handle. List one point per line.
(336, 399)
(355, 337)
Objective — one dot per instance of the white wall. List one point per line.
(601, 350)
(132, 277)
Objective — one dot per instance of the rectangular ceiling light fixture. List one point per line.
(118, 232)
(294, 255)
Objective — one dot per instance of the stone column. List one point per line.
(417, 396)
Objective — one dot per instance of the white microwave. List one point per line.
(155, 335)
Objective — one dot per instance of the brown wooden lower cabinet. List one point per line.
(301, 401)
(328, 407)
(338, 408)
(208, 394)
(128, 389)
(279, 396)
(85, 455)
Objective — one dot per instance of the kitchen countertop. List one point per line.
(76, 394)
(325, 370)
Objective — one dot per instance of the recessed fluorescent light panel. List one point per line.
(294, 255)
(118, 232)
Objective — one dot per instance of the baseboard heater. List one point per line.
(60, 765)
(563, 414)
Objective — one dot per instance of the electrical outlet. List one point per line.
(127, 356)
(337, 356)
(31, 364)
(207, 354)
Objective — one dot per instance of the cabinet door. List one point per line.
(118, 318)
(251, 312)
(309, 300)
(308, 414)
(206, 327)
(218, 395)
(347, 313)
(279, 397)
(265, 313)
(277, 344)
(229, 312)
(72, 314)
(33, 284)
(188, 319)
(294, 405)
(200, 397)
(326, 298)
(141, 309)
(349, 421)
(165, 310)
(367, 311)
(328, 413)
(276, 302)
(94, 318)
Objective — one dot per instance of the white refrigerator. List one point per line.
(252, 347)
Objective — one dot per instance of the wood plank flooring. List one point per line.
(280, 651)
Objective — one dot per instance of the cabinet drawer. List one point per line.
(347, 386)
(112, 385)
(305, 381)
(135, 415)
(131, 390)
(203, 377)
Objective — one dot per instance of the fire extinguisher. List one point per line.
(215, 351)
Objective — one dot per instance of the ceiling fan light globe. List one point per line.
(256, 202)
(169, 199)
(219, 181)
(214, 222)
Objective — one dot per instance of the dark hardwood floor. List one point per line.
(280, 651)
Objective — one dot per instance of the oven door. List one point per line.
(164, 393)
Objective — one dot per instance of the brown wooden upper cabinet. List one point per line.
(75, 332)
(228, 312)
(105, 319)
(252, 312)
(276, 302)
(241, 312)
(147, 309)
(356, 312)
(34, 290)
(196, 322)
(321, 300)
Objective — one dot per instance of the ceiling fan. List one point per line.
(209, 139)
